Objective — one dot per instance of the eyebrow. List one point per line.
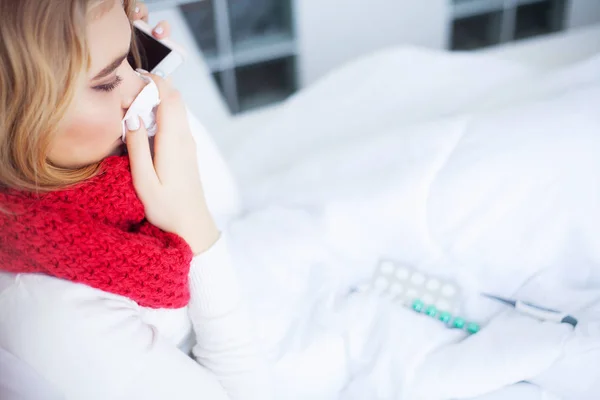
(109, 69)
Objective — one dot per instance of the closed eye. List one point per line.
(109, 87)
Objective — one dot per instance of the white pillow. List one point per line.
(220, 188)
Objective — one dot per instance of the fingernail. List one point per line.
(137, 10)
(142, 71)
(133, 123)
(159, 30)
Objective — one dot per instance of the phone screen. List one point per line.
(152, 51)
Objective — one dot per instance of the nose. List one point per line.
(132, 85)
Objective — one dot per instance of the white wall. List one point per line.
(583, 12)
(332, 32)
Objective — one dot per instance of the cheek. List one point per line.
(93, 128)
(91, 131)
(94, 121)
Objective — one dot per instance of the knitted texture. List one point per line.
(95, 234)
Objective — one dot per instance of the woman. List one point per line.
(108, 262)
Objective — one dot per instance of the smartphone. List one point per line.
(160, 57)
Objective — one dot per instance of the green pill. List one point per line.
(418, 305)
(431, 311)
(473, 328)
(458, 323)
(445, 317)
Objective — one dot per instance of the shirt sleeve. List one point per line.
(226, 342)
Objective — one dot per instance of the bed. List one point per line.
(477, 167)
(544, 53)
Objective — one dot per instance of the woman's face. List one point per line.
(91, 129)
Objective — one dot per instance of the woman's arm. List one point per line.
(225, 339)
(170, 188)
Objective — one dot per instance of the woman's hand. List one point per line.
(161, 31)
(169, 185)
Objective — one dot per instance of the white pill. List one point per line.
(428, 299)
(418, 279)
(433, 284)
(381, 283)
(387, 267)
(449, 290)
(443, 305)
(396, 289)
(402, 273)
(412, 294)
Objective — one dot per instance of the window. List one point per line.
(249, 46)
(476, 31)
(482, 23)
(539, 18)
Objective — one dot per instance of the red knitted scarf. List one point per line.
(95, 234)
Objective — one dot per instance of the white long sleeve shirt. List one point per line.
(89, 344)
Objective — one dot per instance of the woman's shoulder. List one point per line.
(48, 322)
(46, 293)
(39, 309)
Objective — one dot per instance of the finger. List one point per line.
(140, 157)
(170, 110)
(141, 12)
(165, 89)
(162, 30)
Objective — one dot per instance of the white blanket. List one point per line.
(504, 201)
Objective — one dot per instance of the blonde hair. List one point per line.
(43, 52)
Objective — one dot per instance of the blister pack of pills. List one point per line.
(404, 284)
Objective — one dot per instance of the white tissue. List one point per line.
(144, 106)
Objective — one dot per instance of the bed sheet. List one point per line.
(389, 89)
(320, 217)
(540, 53)
(400, 87)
